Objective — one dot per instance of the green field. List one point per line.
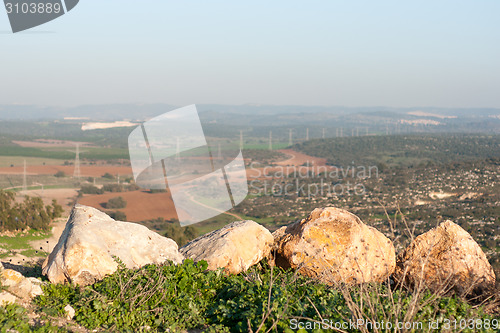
(65, 153)
(20, 244)
(7, 161)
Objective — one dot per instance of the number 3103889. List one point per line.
(33, 8)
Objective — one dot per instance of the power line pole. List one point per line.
(76, 172)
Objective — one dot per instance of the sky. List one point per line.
(442, 53)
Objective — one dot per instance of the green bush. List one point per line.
(91, 189)
(14, 318)
(60, 174)
(107, 175)
(181, 235)
(113, 188)
(187, 296)
(119, 216)
(116, 202)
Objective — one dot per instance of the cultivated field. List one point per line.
(141, 205)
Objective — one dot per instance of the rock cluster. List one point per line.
(331, 245)
(17, 287)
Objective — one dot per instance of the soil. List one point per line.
(141, 205)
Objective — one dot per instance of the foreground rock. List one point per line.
(235, 247)
(18, 287)
(85, 251)
(446, 258)
(333, 245)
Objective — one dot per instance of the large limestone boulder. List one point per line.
(235, 247)
(85, 251)
(445, 258)
(334, 246)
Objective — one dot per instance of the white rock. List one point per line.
(36, 287)
(7, 298)
(90, 240)
(235, 247)
(70, 312)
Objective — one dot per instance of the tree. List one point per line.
(107, 175)
(116, 202)
(60, 174)
(117, 215)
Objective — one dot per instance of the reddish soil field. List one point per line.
(85, 170)
(141, 205)
(292, 164)
(297, 159)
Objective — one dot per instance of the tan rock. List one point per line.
(7, 298)
(16, 283)
(333, 245)
(235, 247)
(36, 289)
(445, 258)
(90, 241)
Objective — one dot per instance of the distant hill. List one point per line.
(260, 119)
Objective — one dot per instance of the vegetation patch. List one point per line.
(264, 299)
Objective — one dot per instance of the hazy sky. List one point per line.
(353, 53)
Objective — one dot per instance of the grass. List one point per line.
(263, 299)
(64, 153)
(21, 244)
(214, 223)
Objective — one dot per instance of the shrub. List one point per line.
(107, 175)
(181, 235)
(113, 188)
(116, 202)
(117, 215)
(91, 189)
(60, 174)
(14, 318)
(264, 299)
